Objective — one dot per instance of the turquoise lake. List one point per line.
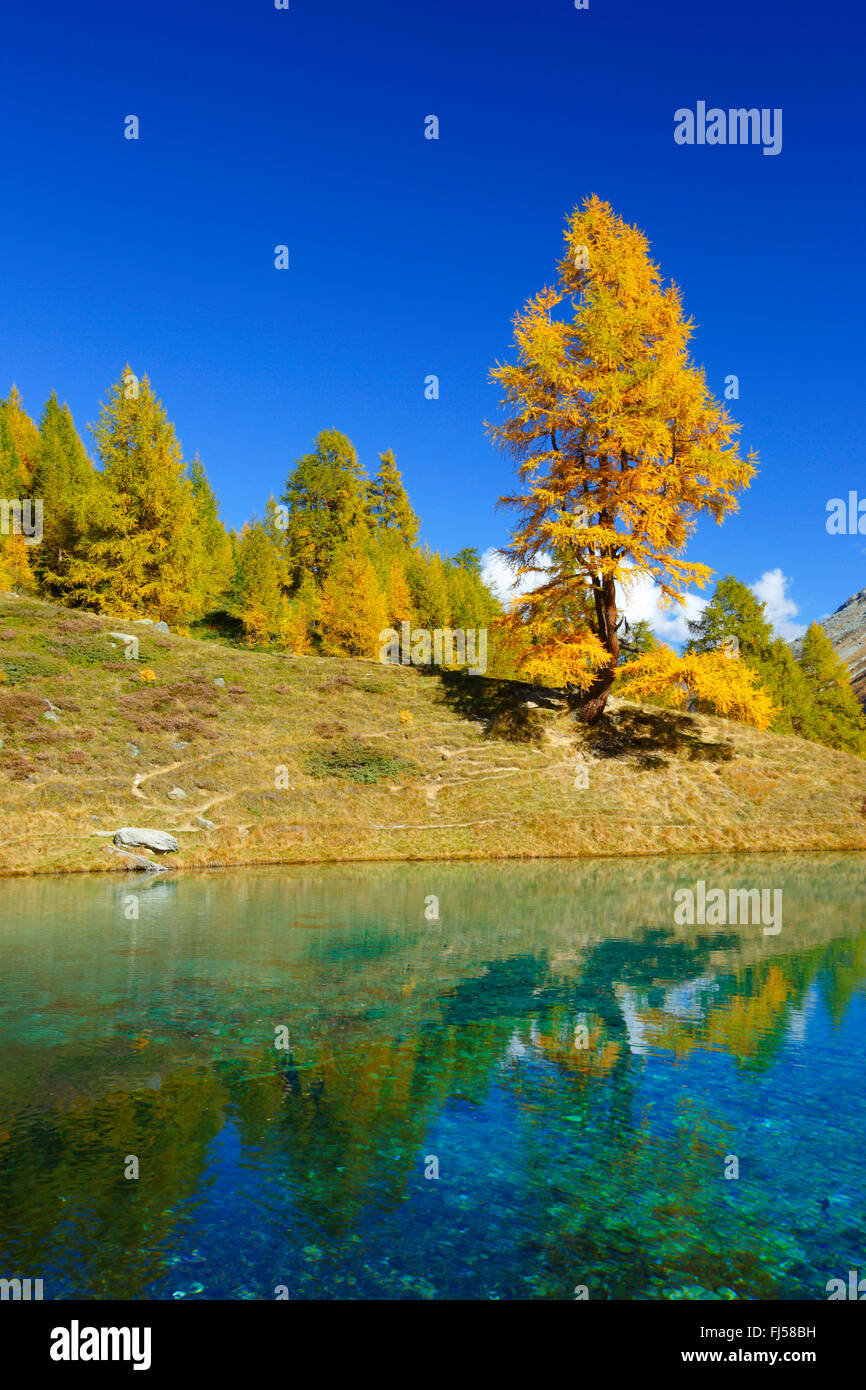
(328, 1093)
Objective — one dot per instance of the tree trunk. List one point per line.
(589, 704)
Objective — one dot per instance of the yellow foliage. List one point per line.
(257, 628)
(399, 596)
(15, 572)
(553, 646)
(353, 608)
(405, 716)
(147, 675)
(725, 683)
(619, 444)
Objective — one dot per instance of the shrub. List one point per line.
(354, 761)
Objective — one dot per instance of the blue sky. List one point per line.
(410, 256)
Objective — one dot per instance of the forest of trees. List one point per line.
(335, 561)
(619, 447)
(326, 568)
(811, 694)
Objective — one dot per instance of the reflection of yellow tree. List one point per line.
(388, 1023)
(748, 1025)
(589, 1058)
(114, 1226)
(351, 1128)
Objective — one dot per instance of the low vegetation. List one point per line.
(252, 757)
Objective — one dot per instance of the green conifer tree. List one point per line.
(64, 477)
(214, 560)
(256, 595)
(326, 497)
(429, 588)
(836, 717)
(389, 505)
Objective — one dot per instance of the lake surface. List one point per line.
(580, 1070)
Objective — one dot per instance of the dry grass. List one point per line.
(480, 775)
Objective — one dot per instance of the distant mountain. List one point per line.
(846, 629)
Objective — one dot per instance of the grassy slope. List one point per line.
(492, 779)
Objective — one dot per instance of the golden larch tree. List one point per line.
(620, 447)
(353, 609)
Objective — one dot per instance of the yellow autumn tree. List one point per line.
(138, 552)
(620, 448)
(302, 615)
(353, 610)
(399, 594)
(724, 683)
(19, 446)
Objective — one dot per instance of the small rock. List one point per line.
(138, 861)
(218, 681)
(157, 840)
(161, 627)
(176, 794)
(205, 824)
(179, 745)
(149, 621)
(49, 714)
(133, 750)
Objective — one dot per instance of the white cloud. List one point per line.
(499, 576)
(771, 589)
(644, 601)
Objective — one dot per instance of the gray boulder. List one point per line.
(157, 840)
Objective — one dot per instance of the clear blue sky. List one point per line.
(409, 256)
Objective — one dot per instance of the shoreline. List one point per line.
(211, 866)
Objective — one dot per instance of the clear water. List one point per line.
(415, 1043)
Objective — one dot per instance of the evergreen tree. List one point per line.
(836, 718)
(471, 603)
(468, 559)
(637, 638)
(256, 595)
(785, 682)
(389, 505)
(64, 478)
(214, 561)
(326, 497)
(429, 588)
(733, 611)
(139, 547)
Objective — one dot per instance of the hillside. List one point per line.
(251, 757)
